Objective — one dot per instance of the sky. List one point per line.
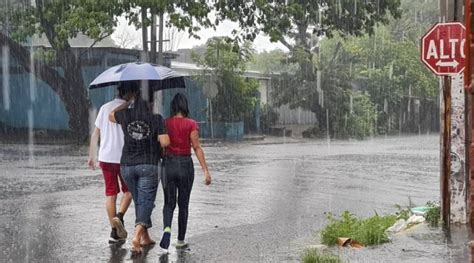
(129, 37)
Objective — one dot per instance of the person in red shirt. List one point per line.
(178, 179)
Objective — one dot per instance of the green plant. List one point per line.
(338, 228)
(372, 230)
(369, 231)
(433, 215)
(313, 256)
(225, 61)
(360, 123)
(402, 213)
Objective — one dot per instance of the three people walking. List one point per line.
(144, 137)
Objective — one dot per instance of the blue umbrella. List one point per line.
(158, 77)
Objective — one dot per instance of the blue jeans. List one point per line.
(142, 182)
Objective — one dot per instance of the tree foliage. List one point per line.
(273, 61)
(298, 24)
(183, 15)
(225, 63)
(60, 20)
(383, 66)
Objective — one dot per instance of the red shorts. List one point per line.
(112, 176)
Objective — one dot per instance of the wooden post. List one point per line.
(446, 147)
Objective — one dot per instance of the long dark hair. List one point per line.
(179, 104)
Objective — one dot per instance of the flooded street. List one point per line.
(266, 203)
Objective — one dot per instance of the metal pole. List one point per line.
(144, 55)
(144, 30)
(327, 126)
(160, 40)
(212, 123)
(153, 36)
(469, 110)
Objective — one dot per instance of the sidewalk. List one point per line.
(257, 139)
(252, 137)
(420, 243)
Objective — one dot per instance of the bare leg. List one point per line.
(125, 203)
(139, 231)
(110, 204)
(146, 239)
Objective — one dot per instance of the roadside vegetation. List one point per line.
(433, 215)
(361, 85)
(369, 231)
(314, 256)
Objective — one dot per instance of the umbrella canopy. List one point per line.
(158, 77)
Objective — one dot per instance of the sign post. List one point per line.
(443, 48)
(443, 53)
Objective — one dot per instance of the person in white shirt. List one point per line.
(110, 151)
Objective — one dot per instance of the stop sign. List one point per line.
(442, 48)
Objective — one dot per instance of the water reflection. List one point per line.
(267, 202)
(143, 256)
(117, 253)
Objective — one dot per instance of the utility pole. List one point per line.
(468, 80)
(454, 168)
(144, 35)
(160, 40)
(153, 36)
(157, 57)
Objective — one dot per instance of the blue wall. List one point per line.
(197, 101)
(48, 110)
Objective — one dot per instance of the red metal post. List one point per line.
(469, 113)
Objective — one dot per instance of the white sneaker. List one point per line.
(181, 244)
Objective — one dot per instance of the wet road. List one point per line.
(266, 203)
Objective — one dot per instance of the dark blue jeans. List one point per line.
(177, 180)
(142, 181)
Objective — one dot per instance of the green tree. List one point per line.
(384, 64)
(60, 20)
(361, 120)
(183, 15)
(415, 20)
(225, 62)
(395, 79)
(297, 24)
(300, 25)
(273, 61)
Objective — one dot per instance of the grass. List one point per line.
(402, 213)
(369, 231)
(313, 256)
(433, 215)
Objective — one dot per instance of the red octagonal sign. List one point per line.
(442, 48)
